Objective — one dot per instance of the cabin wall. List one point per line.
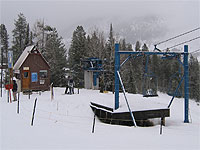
(35, 74)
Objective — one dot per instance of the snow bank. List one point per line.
(66, 123)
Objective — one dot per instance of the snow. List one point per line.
(23, 57)
(66, 123)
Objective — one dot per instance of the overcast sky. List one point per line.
(174, 16)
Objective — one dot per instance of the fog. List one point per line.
(148, 20)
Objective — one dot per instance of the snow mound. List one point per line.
(66, 123)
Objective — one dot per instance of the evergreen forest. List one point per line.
(166, 73)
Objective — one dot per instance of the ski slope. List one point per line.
(66, 123)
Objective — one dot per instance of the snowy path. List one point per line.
(66, 123)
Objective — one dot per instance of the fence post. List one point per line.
(33, 112)
(18, 104)
(29, 94)
(8, 95)
(52, 93)
(93, 123)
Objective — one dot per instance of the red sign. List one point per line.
(9, 86)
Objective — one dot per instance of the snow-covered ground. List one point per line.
(66, 123)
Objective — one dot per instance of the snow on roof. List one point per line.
(23, 57)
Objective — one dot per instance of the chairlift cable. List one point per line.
(195, 51)
(177, 36)
(183, 42)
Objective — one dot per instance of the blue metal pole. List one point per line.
(186, 86)
(126, 60)
(175, 92)
(117, 66)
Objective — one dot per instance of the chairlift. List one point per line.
(149, 83)
(150, 86)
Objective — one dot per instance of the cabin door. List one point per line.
(26, 78)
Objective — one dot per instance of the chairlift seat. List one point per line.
(152, 95)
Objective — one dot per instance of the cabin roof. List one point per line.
(23, 57)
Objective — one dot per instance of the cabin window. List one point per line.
(43, 74)
(25, 74)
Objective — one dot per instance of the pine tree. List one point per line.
(77, 52)
(194, 78)
(93, 44)
(40, 33)
(19, 36)
(144, 47)
(164, 75)
(176, 74)
(122, 45)
(27, 39)
(4, 47)
(55, 54)
(131, 74)
(101, 46)
(4, 43)
(31, 38)
(137, 46)
(138, 70)
(109, 64)
(88, 47)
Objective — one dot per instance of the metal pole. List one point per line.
(117, 66)
(161, 123)
(134, 122)
(51, 89)
(126, 60)
(175, 92)
(18, 104)
(29, 94)
(186, 86)
(33, 112)
(8, 95)
(93, 123)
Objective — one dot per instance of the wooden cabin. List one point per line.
(32, 70)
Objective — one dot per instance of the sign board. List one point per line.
(10, 59)
(34, 77)
(25, 68)
(9, 86)
(42, 81)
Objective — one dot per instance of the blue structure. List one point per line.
(92, 63)
(117, 67)
(92, 68)
(185, 77)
